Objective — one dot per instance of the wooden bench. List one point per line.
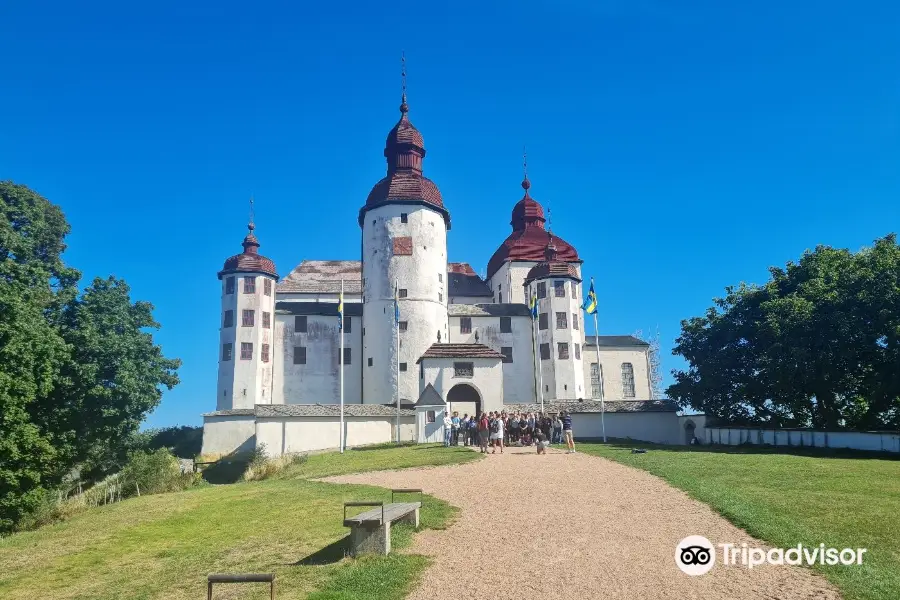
(243, 578)
(370, 532)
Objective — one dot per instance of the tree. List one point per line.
(816, 346)
(75, 371)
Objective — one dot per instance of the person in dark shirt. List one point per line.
(567, 432)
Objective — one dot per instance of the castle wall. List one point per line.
(611, 360)
(414, 256)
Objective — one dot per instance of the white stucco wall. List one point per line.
(518, 376)
(470, 300)
(430, 432)
(487, 380)
(318, 381)
(243, 383)
(611, 360)
(655, 427)
(223, 435)
(856, 440)
(424, 308)
(283, 435)
(510, 279)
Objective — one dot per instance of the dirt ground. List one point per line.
(576, 527)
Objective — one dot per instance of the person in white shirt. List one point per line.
(448, 428)
(496, 433)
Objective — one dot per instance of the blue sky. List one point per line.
(682, 146)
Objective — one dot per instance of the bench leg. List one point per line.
(209, 591)
(412, 518)
(375, 539)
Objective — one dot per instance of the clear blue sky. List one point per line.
(682, 146)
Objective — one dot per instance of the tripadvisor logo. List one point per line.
(696, 555)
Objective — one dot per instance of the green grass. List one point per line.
(163, 546)
(842, 500)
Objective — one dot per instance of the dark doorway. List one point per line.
(463, 395)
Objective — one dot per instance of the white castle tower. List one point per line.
(560, 334)
(246, 343)
(404, 251)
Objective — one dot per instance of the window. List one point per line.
(267, 287)
(226, 351)
(364, 332)
(542, 289)
(628, 380)
(440, 296)
(370, 361)
(574, 291)
(404, 218)
(267, 319)
(561, 320)
(229, 319)
(403, 246)
(506, 351)
(264, 353)
(559, 289)
(463, 369)
(229, 285)
(403, 326)
(440, 278)
(403, 367)
(248, 317)
(249, 285)
(401, 293)
(501, 297)
(542, 321)
(300, 324)
(348, 324)
(545, 351)
(505, 325)
(596, 373)
(574, 320)
(429, 416)
(465, 324)
(299, 355)
(577, 351)
(563, 349)
(246, 351)
(346, 356)
(421, 370)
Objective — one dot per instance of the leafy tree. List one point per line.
(76, 372)
(817, 345)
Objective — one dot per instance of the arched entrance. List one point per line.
(464, 399)
(689, 428)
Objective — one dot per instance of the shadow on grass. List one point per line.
(811, 451)
(226, 470)
(384, 446)
(328, 555)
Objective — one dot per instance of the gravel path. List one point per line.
(597, 529)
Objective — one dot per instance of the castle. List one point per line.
(412, 323)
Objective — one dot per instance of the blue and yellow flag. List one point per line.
(396, 306)
(341, 312)
(533, 305)
(590, 305)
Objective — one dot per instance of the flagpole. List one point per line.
(599, 371)
(397, 326)
(341, 335)
(540, 358)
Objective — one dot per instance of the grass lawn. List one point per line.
(163, 546)
(844, 500)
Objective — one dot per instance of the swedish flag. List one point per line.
(341, 312)
(590, 305)
(533, 305)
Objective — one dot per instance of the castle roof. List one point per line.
(459, 351)
(529, 238)
(552, 266)
(404, 183)
(614, 341)
(250, 260)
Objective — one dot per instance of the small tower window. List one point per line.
(440, 296)
(348, 325)
(561, 320)
(577, 351)
(247, 319)
(401, 293)
(226, 352)
(505, 325)
(370, 361)
(465, 325)
(403, 367)
(300, 324)
(501, 297)
(559, 289)
(440, 278)
(574, 320)
(545, 351)
(346, 356)
(264, 353)
(404, 218)
(542, 321)
(403, 326)
(267, 320)
(229, 285)
(249, 285)
(563, 350)
(299, 355)
(574, 291)
(246, 351)
(507, 353)
(267, 287)
(542, 289)
(229, 319)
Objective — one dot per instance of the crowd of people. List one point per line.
(499, 429)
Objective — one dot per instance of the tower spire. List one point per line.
(525, 183)
(250, 225)
(404, 107)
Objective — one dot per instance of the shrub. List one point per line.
(262, 467)
(154, 473)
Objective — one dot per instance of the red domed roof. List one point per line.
(404, 150)
(528, 240)
(249, 261)
(552, 267)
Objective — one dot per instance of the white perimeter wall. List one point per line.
(488, 380)
(284, 435)
(318, 381)
(227, 434)
(879, 442)
(655, 427)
